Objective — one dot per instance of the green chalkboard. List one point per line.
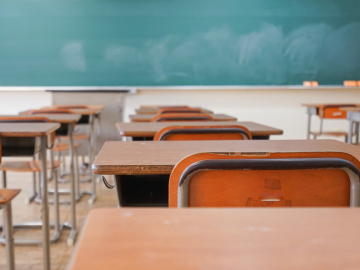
(178, 42)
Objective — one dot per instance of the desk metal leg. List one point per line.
(309, 126)
(45, 208)
(92, 155)
(73, 232)
(9, 247)
(350, 132)
(357, 131)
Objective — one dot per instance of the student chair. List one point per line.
(6, 196)
(182, 117)
(332, 111)
(199, 133)
(28, 147)
(65, 146)
(179, 110)
(266, 180)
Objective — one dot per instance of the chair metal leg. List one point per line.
(34, 195)
(9, 246)
(4, 179)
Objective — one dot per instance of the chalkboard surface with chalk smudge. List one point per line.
(178, 42)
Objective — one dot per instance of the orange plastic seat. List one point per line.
(77, 137)
(64, 147)
(265, 180)
(196, 133)
(26, 166)
(172, 117)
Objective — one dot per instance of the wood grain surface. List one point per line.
(149, 117)
(213, 239)
(58, 118)
(159, 157)
(150, 129)
(27, 129)
(155, 110)
(6, 195)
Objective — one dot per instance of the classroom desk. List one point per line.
(148, 117)
(88, 117)
(313, 109)
(213, 239)
(141, 169)
(147, 131)
(70, 120)
(41, 130)
(353, 115)
(155, 110)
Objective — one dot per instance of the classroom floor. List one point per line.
(30, 257)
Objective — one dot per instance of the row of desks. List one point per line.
(42, 130)
(275, 238)
(208, 238)
(149, 117)
(139, 131)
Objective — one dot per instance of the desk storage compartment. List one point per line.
(84, 120)
(142, 190)
(62, 131)
(17, 146)
(142, 138)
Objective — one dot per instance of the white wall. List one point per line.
(276, 107)
(14, 101)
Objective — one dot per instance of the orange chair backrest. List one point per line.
(51, 111)
(200, 133)
(265, 180)
(182, 117)
(60, 107)
(179, 110)
(333, 111)
(163, 106)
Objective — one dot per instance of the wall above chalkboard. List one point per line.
(179, 42)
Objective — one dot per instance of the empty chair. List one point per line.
(265, 179)
(196, 133)
(332, 111)
(179, 110)
(28, 147)
(182, 117)
(6, 196)
(77, 136)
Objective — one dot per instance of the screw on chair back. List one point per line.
(297, 179)
(196, 133)
(183, 117)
